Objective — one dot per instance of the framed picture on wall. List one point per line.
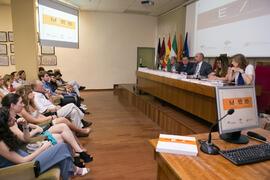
(12, 59)
(48, 60)
(3, 49)
(10, 36)
(3, 60)
(3, 36)
(12, 48)
(47, 50)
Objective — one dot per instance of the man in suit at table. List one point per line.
(174, 66)
(186, 66)
(201, 68)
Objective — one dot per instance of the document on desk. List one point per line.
(177, 145)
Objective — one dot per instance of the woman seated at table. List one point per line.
(11, 154)
(221, 70)
(241, 73)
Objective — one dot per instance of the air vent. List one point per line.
(137, 12)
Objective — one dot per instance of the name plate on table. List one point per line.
(177, 145)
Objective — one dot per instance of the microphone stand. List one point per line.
(207, 146)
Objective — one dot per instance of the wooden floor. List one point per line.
(119, 140)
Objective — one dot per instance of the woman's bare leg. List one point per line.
(67, 135)
(72, 126)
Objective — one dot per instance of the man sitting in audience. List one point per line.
(45, 106)
(174, 66)
(22, 77)
(201, 68)
(186, 66)
(41, 69)
(15, 77)
(44, 77)
(74, 84)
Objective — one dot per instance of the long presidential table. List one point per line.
(189, 95)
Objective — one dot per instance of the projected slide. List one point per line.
(57, 26)
(232, 26)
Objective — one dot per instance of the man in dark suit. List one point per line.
(201, 68)
(186, 66)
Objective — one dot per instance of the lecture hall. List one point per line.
(134, 89)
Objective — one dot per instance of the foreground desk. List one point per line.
(203, 166)
(197, 99)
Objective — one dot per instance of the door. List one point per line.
(146, 57)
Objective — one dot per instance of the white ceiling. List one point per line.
(128, 6)
(123, 6)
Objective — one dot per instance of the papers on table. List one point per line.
(206, 82)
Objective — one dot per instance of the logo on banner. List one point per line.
(237, 103)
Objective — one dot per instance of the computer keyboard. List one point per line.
(247, 155)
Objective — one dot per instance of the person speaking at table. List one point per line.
(201, 68)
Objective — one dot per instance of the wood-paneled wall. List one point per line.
(170, 120)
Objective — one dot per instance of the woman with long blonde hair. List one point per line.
(32, 115)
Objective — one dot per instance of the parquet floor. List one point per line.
(119, 139)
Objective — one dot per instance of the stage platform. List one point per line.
(170, 118)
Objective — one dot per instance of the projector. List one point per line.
(147, 3)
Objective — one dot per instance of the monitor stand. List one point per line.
(235, 138)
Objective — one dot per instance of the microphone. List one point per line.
(208, 147)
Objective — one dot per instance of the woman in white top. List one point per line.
(3, 90)
(241, 73)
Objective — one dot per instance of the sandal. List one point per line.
(83, 173)
(85, 157)
(78, 163)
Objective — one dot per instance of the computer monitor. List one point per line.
(243, 100)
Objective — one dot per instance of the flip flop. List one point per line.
(84, 171)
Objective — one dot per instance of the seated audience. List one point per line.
(201, 68)
(22, 77)
(45, 106)
(65, 99)
(32, 115)
(41, 69)
(222, 65)
(241, 73)
(3, 90)
(8, 82)
(174, 66)
(15, 77)
(56, 133)
(48, 156)
(186, 66)
(74, 84)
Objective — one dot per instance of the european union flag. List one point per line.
(185, 49)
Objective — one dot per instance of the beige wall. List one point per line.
(172, 23)
(6, 25)
(108, 48)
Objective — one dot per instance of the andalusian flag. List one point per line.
(174, 48)
(179, 50)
